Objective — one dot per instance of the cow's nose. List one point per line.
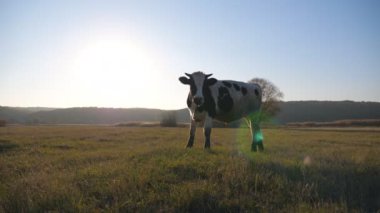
(198, 100)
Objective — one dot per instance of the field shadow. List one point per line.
(6, 145)
(355, 186)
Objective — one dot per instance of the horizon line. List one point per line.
(138, 107)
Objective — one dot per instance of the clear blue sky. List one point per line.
(131, 53)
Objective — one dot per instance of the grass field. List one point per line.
(127, 169)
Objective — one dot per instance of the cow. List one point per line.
(225, 101)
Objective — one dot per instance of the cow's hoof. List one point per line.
(207, 144)
(261, 147)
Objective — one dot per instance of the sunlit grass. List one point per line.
(87, 168)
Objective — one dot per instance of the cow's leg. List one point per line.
(257, 135)
(193, 127)
(207, 131)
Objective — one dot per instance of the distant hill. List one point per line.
(292, 111)
(19, 114)
(95, 115)
(326, 111)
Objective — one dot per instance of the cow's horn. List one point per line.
(188, 74)
(208, 75)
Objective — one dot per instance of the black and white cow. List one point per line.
(224, 101)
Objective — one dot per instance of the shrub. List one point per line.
(3, 123)
(169, 119)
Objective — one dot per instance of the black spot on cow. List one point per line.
(189, 101)
(193, 88)
(209, 103)
(227, 84)
(225, 101)
(237, 87)
(256, 92)
(244, 90)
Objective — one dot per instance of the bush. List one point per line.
(169, 119)
(3, 123)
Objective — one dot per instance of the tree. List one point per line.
(271, 96)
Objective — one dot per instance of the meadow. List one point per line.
(137, 169)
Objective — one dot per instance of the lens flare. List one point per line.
(244, 137)
(258, 137)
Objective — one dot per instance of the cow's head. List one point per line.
(198, 82)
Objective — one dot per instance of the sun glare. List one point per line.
(109, 68)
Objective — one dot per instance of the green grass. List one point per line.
(92, 168)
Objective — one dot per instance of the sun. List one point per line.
(111, 67)
(112, 57)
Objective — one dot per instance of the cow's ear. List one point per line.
(184, 80)
(211, 81)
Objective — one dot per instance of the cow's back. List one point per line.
(234, 100)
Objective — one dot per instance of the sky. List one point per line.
(131, 53)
